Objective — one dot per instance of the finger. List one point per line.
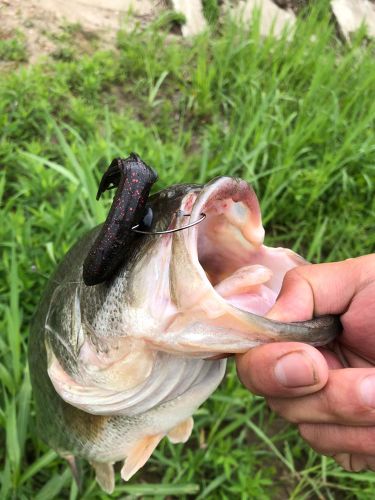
(347, 398)
(331, 439)
(319, 289)
(283, 369)
(354, 462)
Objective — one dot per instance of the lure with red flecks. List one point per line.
(133, 179)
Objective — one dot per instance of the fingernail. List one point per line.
(367, 391)
(295, 369)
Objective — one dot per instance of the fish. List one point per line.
(118, 366)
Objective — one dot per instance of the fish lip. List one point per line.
(238, 190)
(195, 203)
(216, 190)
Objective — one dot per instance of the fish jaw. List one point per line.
(225, 253)
(223, 278)
(232, 226)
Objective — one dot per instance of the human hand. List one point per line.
(328, 392)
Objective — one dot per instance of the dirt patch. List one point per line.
(42, 24)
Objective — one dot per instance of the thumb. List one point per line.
(316, 290)
(283, 369)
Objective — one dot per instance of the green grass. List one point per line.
(294, 119)
(13, 48)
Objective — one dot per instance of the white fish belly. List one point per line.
(121, 432)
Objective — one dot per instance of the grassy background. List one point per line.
(296, 119)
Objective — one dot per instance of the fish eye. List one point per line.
(147, 220)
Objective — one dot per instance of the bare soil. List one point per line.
(43, 22)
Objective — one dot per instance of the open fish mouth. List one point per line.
(227, 248)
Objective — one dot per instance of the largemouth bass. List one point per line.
(117, 366)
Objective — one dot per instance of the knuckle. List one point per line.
(344, 407)
(293, 418)
(333, 408)
(368, 445)
(298, 273)
(284, 409)
(310, 434)
(292, 275)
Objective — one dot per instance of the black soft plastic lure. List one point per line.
(133, 179)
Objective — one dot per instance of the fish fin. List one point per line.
(181, 432)
(105, 475)
(139, 455)
(75, 470)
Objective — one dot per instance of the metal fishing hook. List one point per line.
(168, 231)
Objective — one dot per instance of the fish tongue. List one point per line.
(243, 280)
(246, 289)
